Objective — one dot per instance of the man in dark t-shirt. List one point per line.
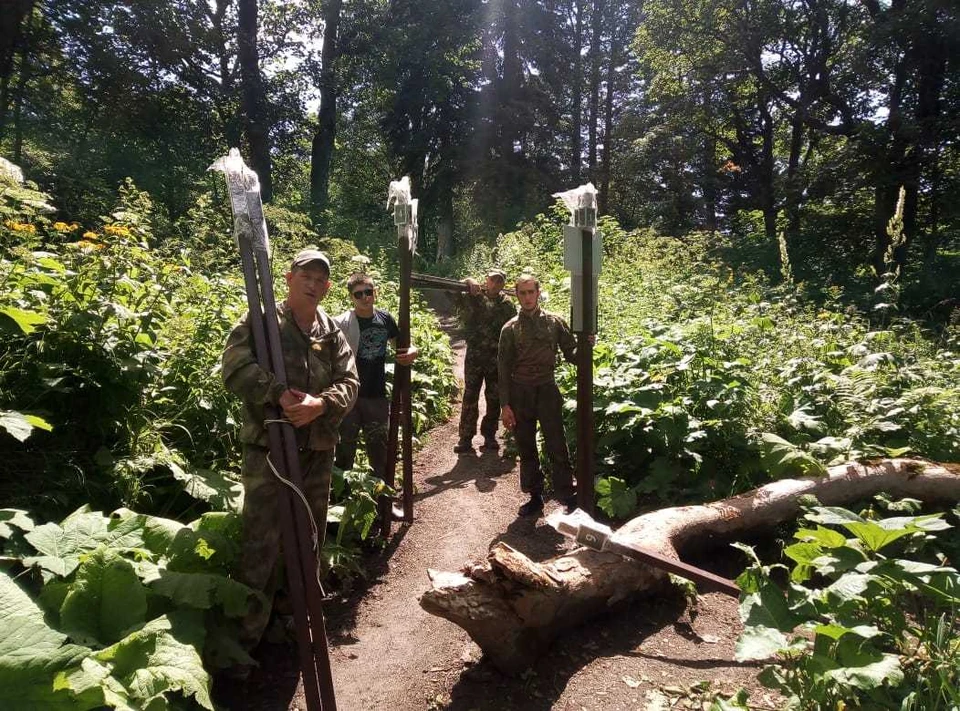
(368, 330)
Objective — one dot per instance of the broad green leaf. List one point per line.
(850, 586)
(874, 536)
(758, 642)
(27, 321)
(160, 658)
(869, 676)
(31, 653)
(106, 602)
(203, 590)
(61, 545)
(155, 533)
(782, 458)
(20, 425)
(832, 515)
(824, 537)
(834, 631)
(11, 519)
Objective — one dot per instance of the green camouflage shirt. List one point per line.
(319, 363)
(528, 350)
(482, 319)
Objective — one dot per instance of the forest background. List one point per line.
(782, 250)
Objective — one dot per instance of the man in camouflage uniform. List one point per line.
(321, 387)
(483, 313)
(527, 359)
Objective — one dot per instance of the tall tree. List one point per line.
(256, 124)
(324, 138)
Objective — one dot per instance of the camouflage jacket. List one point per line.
(528, 350)
(319, 364)
(482, 319)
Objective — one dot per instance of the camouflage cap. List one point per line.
(497, 274)
(305, 256)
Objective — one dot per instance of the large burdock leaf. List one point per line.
(106, 602)
(782, 458)
(20, 426)
(60, 545)
(31, 654)
(159, 659)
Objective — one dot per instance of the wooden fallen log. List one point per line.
(513, 607)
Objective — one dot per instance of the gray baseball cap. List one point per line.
(306, 256)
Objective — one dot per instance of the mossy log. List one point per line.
(513, 607)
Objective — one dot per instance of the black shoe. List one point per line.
(490, 444)
(570, 503)
(463, 446)
(533, 507)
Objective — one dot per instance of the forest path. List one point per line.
(388, 654)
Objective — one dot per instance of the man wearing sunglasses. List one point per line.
(368, 330)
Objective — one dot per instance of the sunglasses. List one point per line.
(360, 293)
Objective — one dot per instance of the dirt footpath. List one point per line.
(387, 653)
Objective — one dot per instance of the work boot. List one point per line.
(533, 507)
(569, 503)
(490, 444)
(464, 446)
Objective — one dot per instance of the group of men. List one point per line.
(336, 386)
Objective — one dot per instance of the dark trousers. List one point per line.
(372, 415)
(544, 404)
(479, 372)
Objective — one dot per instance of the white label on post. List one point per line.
(573, 250)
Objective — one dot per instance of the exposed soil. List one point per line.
(387, 653)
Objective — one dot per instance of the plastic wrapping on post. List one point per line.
(404, 210)
(579, 198)
(240, 181)
(399, 191)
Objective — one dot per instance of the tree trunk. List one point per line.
(321, 152)
(594, 117)
(576, 148)
(604, 186)
(14, 26)
(513, 608)
(256, 122)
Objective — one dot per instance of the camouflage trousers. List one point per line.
(479, 370)
(260, 541)
(544, 404)
(372, 415)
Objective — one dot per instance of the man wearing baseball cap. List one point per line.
(321, 387)
(482, 312)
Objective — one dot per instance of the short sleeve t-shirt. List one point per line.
(375, 331)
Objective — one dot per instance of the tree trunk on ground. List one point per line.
(513, 607)
(256, 122)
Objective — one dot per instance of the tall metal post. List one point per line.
(401, 412)
(581, 255)
(298, 552)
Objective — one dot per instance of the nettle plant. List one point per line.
(870, 617)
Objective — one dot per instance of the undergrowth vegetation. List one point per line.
(111, 401)
(710, 381)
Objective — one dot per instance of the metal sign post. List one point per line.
(401, 412)
(300, 558)
(582, 254)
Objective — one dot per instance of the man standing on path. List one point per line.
(529, 394)
(368, 329)
(483, 314)
(321, 387)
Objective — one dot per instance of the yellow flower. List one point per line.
(89, 235)
(20, 226)
(117, 230)
(61, 226)
(87, 244)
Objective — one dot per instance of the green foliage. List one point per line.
(708, 382)
(880, 628)
(119, 619)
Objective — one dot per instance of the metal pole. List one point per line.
(585, 380)
(402, 373)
